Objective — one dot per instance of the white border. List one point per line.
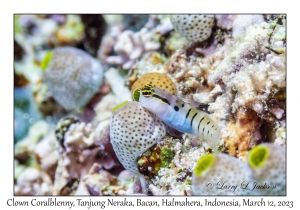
(8, 8)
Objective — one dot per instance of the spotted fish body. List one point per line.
(178, 114)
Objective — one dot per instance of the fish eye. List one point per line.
(146, 93)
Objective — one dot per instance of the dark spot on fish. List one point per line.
(165, 100)
(176, 108)
(161, 98)
(193, 118)
(187, 114)
(199, 123)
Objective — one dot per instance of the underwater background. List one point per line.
(149, 104)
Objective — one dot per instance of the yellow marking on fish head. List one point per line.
(148, 91)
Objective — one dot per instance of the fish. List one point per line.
(178, 114)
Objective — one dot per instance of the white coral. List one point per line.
(241, 22)
(33, 182)
(131, 45)
(76, 138)
(251, 80)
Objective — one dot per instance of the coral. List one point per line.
(96, 179)
(242, 133)
(100, 182)
(62, 128)
(34, 176)
(149, 63)
(35, 31)
(81, 146)
(71, 32)
(277, 33)
(280, 135)
(241, 22)
(33, 181)
(133, 130)
(61, 178)
(24, 148)
(175, 179)
(218, 174)
(158, 156)
(73, 77)
(117, 83)
(104, 90)
(103, 108)
(47, 155)
(194, 27)
(250, 75)
(268, 164)
(208, 50)
(131, 45)
(225, 21)
(75, 145)
(106, 155)
(108, 41)
(71, 188)
(165, 25)
(174, 43)
(117, 187)
(159, 80)
(44, 100)
(19, 168)
(189, 73)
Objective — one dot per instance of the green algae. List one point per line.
(154, 159)
(166, 156)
